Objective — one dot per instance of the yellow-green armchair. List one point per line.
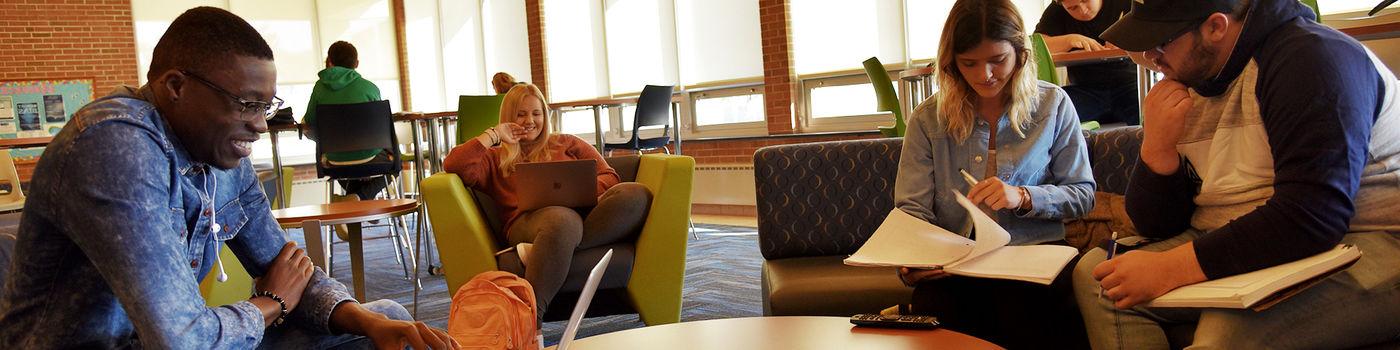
(645, 276)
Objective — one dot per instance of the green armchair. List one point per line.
(645, 276)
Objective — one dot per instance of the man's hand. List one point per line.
(391, 334)
(1140, 276)
(910, 277)
(996, 195)
(1164, 120)
(1069, 42)
(288, 275)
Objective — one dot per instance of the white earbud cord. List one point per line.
(208, 198)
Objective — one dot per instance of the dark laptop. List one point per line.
(570, 183)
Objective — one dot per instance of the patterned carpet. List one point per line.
(721, 280)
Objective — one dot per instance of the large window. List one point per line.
(454, 47)
(831, 38)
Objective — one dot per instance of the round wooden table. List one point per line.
(788, 332)
(311, 217)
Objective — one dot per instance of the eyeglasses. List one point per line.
(1194, 25)
(247, 108)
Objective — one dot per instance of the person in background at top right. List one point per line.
(1104, 92)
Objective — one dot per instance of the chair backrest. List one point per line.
(1044, 63)
(475, 113)
(653, 108)
(886, 99)
(354, 127)
(10, 175)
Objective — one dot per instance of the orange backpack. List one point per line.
(494, 310)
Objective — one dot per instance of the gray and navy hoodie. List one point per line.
(1293, 145)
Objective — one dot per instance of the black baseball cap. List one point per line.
(1155, 22)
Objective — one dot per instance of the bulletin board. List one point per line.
(37, 108)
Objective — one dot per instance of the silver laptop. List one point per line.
(584, 298)
(570, 183)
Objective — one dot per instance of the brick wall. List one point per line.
(534, 21)
(49, 39)
(778, 75)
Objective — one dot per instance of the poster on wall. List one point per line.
(53, 109)
(7, 114)
(41, 108)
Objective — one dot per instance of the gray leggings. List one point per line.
(557, 232)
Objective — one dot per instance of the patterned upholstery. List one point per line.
(1113, 153)
(823, 198)
(827, 198)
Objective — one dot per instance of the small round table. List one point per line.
(312, 217)
(787, 332)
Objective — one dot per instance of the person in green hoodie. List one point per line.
(341, 84)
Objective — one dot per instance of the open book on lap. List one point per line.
(1262, 287)
(904, 240)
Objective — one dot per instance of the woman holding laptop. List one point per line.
(488, 163)
(1019, 144)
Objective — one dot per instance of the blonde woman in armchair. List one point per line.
(554, 233)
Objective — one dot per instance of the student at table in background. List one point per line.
(341, 84)
(502, 82)
(1021, 138)
(487, 163)
(104, 263)
(1104, 92)
(1272, 138)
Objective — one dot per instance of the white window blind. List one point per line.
(506, 37)
(718, 40)
(833, 35)
(576, 59)
(641, 44)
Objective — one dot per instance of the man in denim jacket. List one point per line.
(130, 203)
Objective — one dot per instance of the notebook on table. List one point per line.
(569, 183)
(586, 296)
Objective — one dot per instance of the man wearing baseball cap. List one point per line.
(1272, 138)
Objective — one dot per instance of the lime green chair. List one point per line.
(885, 97)
(475, 113)
(465, 237)
(237, 288)
(1044, 63)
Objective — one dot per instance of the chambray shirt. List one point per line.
(1051, 161)
(116, 236)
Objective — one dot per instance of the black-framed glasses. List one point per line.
(1194, 26)
(246, 108)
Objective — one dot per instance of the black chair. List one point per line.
(361, 126)
(653, 108)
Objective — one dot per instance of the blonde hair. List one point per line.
(969, 23)
(537, 151)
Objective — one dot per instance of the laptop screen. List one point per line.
(589, 287)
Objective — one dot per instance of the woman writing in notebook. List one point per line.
(1019, 139)
(487, 164)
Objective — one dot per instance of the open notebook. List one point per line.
(904, 240)
(1260, 289)
(586, 296)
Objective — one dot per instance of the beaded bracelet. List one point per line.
(280, 317)
(495, 139)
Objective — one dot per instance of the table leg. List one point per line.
(1144, 84)
(316, 247)
(435, 158)
(905, 99)
(676, 117)
(357, 260)
(277, 170)
(598, 127)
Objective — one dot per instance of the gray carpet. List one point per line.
(721, 280)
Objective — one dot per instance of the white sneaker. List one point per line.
(523, 249)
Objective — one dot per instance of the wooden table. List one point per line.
(793, 332)
(312, 217)
(598, 104)
(25, 142)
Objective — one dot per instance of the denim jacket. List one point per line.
(116, 235)
(1051, 161)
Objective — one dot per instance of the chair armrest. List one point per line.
(659, 271)
(464, 238)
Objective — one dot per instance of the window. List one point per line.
(1328, 7)
(842, 103)
(640, 37)
(577, 60)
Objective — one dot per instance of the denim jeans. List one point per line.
(292, 337)
(1356, 307)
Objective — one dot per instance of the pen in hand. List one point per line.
(971, 181)
(1112, 250)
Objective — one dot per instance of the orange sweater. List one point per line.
(479, 168)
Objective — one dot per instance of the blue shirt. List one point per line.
(1051, 161)
(116, 236)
